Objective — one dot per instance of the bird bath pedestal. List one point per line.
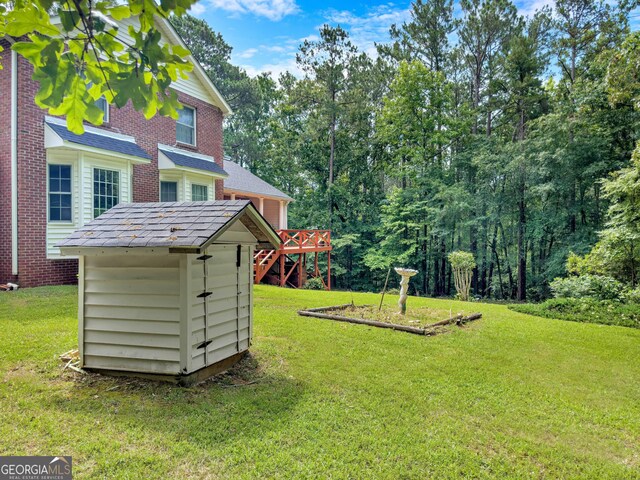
(406, 274)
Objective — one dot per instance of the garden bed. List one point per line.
(421, 321)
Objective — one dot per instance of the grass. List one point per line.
(509, 396)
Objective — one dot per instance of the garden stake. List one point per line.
(384, 289)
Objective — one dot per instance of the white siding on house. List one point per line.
(58, 231)
(186, 180)
(131, 313)
(82, 166)
(191, 86)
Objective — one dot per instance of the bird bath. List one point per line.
(406, 274)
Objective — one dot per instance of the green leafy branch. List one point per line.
(79, 54)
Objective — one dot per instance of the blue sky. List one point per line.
(265, 34)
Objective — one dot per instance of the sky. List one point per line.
(265, 34)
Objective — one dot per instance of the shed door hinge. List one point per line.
(204, 257)
(204, 294)
(204, 344)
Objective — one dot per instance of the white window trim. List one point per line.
(73, 197)
(93, 186)
(168, 181)
(107, 111)
(200, 185)
(195, 127)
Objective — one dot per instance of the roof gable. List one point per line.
(171, 36)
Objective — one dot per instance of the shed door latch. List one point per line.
(204, 344)
(204, 294)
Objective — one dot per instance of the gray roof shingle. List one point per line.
(186, 160)
(242, 180)
(103, 142)
(167, 224)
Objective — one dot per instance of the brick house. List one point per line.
(52, 181)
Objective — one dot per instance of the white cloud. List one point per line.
(371, 27)
(364, 31)
(528, 7)
(197, 9)
(248, 53)
(272, 9)
(273, 48)
(275, 69)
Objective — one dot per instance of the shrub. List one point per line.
(632, 296)
(314, 283)
(597, 287)
(585, 310)
(462, 264)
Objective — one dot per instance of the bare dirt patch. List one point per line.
(416, 317)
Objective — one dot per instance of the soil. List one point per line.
(419, 317)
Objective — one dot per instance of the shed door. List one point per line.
(228, 275)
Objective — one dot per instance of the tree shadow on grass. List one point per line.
(248, 401)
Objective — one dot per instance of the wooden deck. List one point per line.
(290, 259)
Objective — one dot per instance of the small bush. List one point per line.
(585, 310)
(597, 287)
(314, 283)
(632, 296)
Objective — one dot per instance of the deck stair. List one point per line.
(287, 265)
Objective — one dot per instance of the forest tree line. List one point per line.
(487, 132)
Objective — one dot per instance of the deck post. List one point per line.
(281, 220)
(301, 258)
(282, 275)
(328, 270)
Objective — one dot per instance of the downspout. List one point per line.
(14, 160)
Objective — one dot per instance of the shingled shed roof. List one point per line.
(182, 227)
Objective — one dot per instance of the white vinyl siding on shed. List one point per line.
(82, 184)
(223, 318)
(156, 308)
(131, 313)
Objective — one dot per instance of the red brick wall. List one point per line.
(34, 268)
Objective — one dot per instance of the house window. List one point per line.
(102, 104)
(168, 191)
(60, 193)
(199, 193)
(186, 126)
(106, 190)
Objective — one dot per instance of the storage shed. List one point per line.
(167, 288)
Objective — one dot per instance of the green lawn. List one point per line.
(509, 396)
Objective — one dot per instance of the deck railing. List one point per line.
(305, 239)
(293, 242)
